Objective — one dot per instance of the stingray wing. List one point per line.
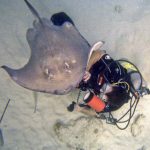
(58, 59)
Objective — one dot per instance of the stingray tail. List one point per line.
(34, 12)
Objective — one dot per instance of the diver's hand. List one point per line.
(86, 76)
(83, 85)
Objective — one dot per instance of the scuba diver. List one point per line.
(108, 84)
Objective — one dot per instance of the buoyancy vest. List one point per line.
(106, 70)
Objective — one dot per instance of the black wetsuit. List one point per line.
(109, 69)
(111, 72)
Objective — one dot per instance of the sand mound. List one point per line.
(138, 125)
(82, 133)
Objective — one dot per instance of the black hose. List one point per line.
(127, 111)
(116, 122)
(131, 104)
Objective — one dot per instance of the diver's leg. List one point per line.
(59, 18)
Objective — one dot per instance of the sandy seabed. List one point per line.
(124, 26)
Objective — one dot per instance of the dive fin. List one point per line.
(34, 12)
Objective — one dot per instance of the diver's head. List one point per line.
(117, 96)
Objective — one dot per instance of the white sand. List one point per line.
(124, 25)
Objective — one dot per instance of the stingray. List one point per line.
(59, 55)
